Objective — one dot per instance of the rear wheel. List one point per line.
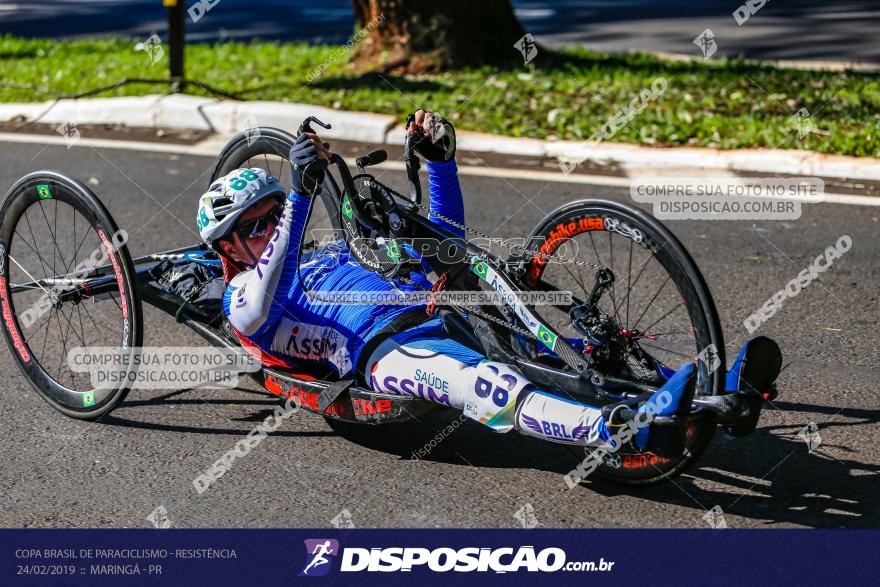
(55, 233)
(656, 315)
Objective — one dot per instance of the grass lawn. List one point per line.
(570, 95)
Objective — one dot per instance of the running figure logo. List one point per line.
(526, 46)
(319, 554)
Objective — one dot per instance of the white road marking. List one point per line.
(211, 147)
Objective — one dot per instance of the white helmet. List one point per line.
(229, 197)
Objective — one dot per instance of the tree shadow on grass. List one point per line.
(373, 80)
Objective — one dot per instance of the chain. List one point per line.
(470, 308)
(496, 240)
(510, 325)
(492, 239)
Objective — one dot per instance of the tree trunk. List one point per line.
(416, 36)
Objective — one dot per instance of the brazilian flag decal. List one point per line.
(346, 207)
(44, 192)
(88, 399)
(547, 337)
(393, 250)
(480, 268)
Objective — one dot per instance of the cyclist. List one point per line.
(257, 228)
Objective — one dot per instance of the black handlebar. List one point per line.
(313, 174)
(371, 158)
(306, 125)
(315, 170)
(412, 165)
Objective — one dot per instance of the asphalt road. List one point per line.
(783, 29)
(59, 472)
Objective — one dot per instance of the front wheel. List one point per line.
(57, 238)
(656, 315)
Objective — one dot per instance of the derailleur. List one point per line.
(606, 344)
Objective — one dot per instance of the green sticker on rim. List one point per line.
(88, 399)
(546, 337)
(44, 192)
(346, 207)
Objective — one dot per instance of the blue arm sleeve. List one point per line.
(446, 198)
(255, 299)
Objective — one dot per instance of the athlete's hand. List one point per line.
(438, 136)
(308, 160)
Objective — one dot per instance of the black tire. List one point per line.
(15, 211)
(654, 238)
(253, 147)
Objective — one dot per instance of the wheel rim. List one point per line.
(680, 330)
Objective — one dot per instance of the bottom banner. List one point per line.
(365, 557)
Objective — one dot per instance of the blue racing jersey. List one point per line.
(270, 308)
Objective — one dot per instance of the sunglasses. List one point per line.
(257, 227)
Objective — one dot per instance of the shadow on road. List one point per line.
(770, 476)
(264, 405)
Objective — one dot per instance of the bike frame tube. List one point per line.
(416, 226)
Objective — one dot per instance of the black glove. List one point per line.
(307, 167)
(438, 145)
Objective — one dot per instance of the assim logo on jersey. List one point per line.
(416, 388)
(313, 343)
(320, 554)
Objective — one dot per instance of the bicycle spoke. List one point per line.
(75, 253)
(54, 240)
(668, 277)
(61, 354)
(43, 263)
(613, 285)
(579, 281)
(45, 339)
(628, 280)
(107, 328)
(641, 271)
(665, 350)
(663, 317)
(81, 327)
(110, 295)
(659, 334)
(599, 261)
(70, 326)
(55, 220)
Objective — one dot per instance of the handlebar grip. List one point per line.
(409, 145)
(412, 166)
(313, 175)
(372, 158)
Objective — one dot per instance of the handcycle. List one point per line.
(603, 346)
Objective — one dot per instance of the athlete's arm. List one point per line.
(438, 149)
(254, 299)
(445, 195)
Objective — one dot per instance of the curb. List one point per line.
(180, 111)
